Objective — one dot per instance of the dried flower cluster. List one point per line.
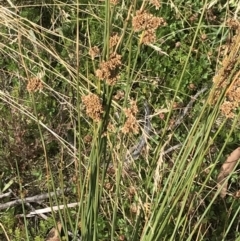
(228, 77)
(108, 70)
(135, 209)
(148, 23)
(232, 101)
(34, 84)
(114, 40)
(155, 3)
(233, 24)
(119, 95)
(131, 125)
(93, 106)
(114, 2)
(94, 52)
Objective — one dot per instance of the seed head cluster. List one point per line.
(119, 95)
(108, 70)
(114, 40)
(94, 52)
(233, 24)
(155, 3)
(131, 125)
(228, 76)
(93, 106)
(114, 2)
(232, 100)
(34, 84)
(146, 22)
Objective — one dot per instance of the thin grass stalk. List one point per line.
(234, 218)
(177, 182)
(119, 44)
(185, 185)
(96, 180)
(137, 227)
(184, 192)
(39, 128)
(207, 128)
(116, 202)
(185, 65)
(78, 160)
(107, 28)
(97, 81)
(186, 154)
(23, 206)
(216, 110)
(48, 168)
(78, 167)
(83, 207)
(66, 211)
(133, 69)
(94, 192)
(194, 230)
(4, 231)
(215, 195)
(198, 156)
(107, 95)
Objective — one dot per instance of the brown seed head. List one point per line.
(109, 69)
(145, 21)
(93, 106)
(131, 124)
(155, 3)
(149, 36)
(121, 237)
(233, 23)
(94, 52)
(114, 40)
(114, 2)
(204, 36)
(120, 95)
(134, 208)
(34, 84)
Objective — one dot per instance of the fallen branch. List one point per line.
(29, 205)
(36, 198)
(54, 208)
(170, 149)
(7, 194)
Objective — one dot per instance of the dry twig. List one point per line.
(36, 198)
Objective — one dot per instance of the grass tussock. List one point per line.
(117, 119)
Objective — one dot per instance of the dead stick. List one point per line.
(36, 198)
